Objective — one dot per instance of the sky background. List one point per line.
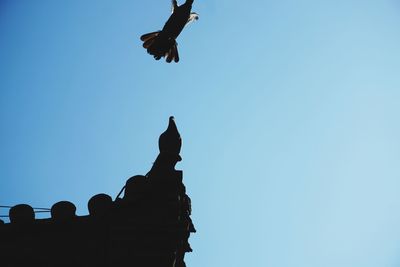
(288, 110)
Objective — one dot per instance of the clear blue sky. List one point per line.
(289, 113)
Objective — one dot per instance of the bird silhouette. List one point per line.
(163, 43)
(170, 141)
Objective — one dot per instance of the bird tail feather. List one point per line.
(159, 46)
(148, 36)
(172, 54)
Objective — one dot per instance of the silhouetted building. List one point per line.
(149, 226)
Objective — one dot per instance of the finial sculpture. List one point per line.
(170, 141)
(169, 144)
(148, 227)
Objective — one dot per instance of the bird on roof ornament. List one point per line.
(163, 43)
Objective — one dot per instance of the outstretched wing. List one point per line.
(193, 16)
(174, 6)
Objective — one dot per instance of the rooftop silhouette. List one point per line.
(148, 223)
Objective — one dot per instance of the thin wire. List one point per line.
(9, 207)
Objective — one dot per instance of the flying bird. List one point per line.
(163, 43)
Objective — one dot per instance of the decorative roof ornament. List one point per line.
(170, 141)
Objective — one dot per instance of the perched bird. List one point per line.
(170, 141)
(163, 43)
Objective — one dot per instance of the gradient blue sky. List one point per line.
(289, 113)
